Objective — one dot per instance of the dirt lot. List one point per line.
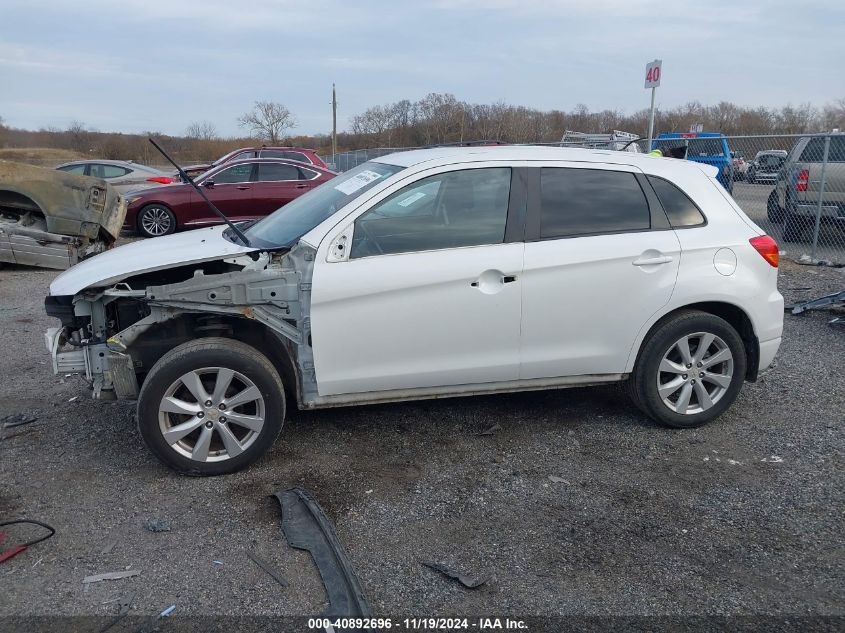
(741, 517)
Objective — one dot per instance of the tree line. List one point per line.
(436, 118)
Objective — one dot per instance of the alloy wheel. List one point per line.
(695, 373)
(156, 221)
(211, 414)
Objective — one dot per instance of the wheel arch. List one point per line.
(155, 342)
(732, 313)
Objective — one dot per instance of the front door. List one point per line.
(429, 295)
(231, 193)
(600, 260)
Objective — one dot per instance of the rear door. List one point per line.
(600, 260)
(278, 184)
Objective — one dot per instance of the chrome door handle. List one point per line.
(241, 188)
(652, 261)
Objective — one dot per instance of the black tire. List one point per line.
(214, 353)
(643, 382)
(794, 227)
(156, 215)
(773, 209)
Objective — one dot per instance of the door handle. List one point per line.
(301, 187)
(508, 279)
(242, 188)
(652, 261)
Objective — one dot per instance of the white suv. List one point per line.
(431, 273)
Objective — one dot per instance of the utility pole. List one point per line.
(334, 123)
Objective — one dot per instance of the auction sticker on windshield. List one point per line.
(357, 181)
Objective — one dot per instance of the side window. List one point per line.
(836, 153)
(451, 210)
(679, 208)
(275, 153)
(237, 173)
(814, 152)
(244, 155)
(277, 171)
(113, 171)
(588, 201)
(74, 169)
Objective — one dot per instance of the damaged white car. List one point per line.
(425, 274)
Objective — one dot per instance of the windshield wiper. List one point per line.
(190, 181)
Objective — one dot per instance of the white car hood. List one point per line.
(143, 256)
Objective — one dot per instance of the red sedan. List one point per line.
(302, 154)
(242, 190)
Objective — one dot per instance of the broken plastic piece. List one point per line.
(167, 611)
(18, 419)
(267, 567)
(491, 430)
(306, 527)
(111, 575)
(467, 581)
(157, 525)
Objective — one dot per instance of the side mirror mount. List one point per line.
(340, 246)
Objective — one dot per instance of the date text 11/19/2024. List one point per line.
(418, 624)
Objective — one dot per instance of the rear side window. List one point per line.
(681, 210)
(588, 201)
(814, 152)
(272, 153)
(277, 171)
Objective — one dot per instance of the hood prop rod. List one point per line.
(190, 180)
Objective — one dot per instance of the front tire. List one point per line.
(689, 370)
(211, 406)
(155, 220)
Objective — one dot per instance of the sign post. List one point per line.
(652, 80)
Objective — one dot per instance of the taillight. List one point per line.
(162, 180)
(803, 179)
(767, 247)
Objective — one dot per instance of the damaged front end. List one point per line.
(54, 219)
(113, 336)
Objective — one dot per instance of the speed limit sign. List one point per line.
(652, 74)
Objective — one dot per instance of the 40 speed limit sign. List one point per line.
(652, 74)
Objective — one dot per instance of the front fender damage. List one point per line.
(273, 291)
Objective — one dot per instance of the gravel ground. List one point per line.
(576, 505)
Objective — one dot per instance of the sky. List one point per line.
(160, 65)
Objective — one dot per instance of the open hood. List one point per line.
(143, 256)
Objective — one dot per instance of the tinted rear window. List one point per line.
(814, 152)
(587, 201)
(679, 208)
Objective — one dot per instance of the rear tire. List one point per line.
(685, 388)
(211, 406)
(794, 227)
(773, 209)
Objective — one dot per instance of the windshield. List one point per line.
(287, 224)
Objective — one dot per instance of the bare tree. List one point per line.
(268, 120)
(79, 136)
(202, 130)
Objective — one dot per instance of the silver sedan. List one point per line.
(124, 176)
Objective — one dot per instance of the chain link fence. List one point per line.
(792, 186)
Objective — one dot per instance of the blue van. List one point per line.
(710, 148)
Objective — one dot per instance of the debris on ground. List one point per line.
(469, 582)
(306, 527)
(217, 562)
(267, 567)
(108, 548)
(17, 549)
(773, 459)
(111, 575)
(167, 611)
(557, 480)
(157, 525)
(491, 430)
(17, 419)
(123, 607)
